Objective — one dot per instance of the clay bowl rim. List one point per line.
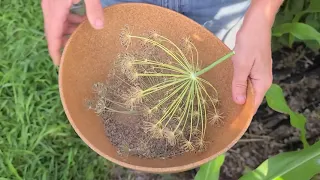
(174, 169)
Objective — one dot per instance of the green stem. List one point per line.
(206, 69)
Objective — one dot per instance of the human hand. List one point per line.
(253, 58)
(59, 22)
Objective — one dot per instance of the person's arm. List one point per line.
(59, 22)
(253, 57)
(266, 8)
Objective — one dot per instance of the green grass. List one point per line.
(36, 139)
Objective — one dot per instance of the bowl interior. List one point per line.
(89, 54)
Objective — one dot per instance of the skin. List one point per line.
(252, 61)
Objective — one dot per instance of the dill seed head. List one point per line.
(170, 136)
(147, 112)
(133, 97)
(215, 118)
(125, 37)
(200, 143)
(101, 105)
(196, 132)
(99, 88)
(216, 101)
(179, 133)
(132, 75)
(187, 44)
(126, 62)
(195, 113)
(149, 126)
(154, 35)
(187, 145)
(204, 100)
(155, 129)
(159, 133)
(137, 92)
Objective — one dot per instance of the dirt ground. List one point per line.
(297, 71)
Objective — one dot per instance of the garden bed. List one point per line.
(297, 71)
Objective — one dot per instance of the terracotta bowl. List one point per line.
(89, 53)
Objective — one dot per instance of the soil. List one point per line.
(297, 71)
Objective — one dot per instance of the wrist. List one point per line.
(266, 9)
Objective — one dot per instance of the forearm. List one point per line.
(266, 8)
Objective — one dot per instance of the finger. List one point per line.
(261, 77)
(54, 31)
(240, 78)
(55, 13)
(54, 45)
(75, 19)
(70, 29)
(65, 40)
(75, 1)
(260, 87)
(95, 13)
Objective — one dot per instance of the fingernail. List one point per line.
(241, 99)
(99, 23)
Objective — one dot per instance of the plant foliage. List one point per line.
(298, 20)
(211, 170)
(296, 165)
(276, 101)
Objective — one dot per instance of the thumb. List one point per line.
(95, 13)
(239, 82)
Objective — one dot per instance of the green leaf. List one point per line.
(211, 170)
(282, 17)
(291, 40)
(299, 121)
(299, 30)
(297, 165)
(314, 6)
(276, 101)
(296, 6)
(313, 21)
(286, 5)
(313, 45)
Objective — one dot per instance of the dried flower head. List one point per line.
(126, 62)
(215, 118)
(163, 83)
(156, 130)
(186, 44)
(125, 36)
(99, 88)
(101, 106)
(200, 144)
(170, 136)
(187, 145)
